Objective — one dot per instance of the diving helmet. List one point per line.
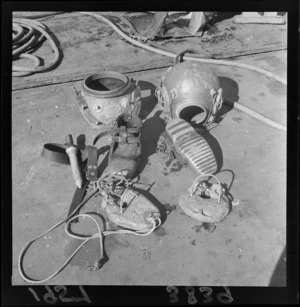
(107, 95)
(190, 90)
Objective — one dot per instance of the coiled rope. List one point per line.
(28, 34)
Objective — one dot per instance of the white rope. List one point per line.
(85, 239)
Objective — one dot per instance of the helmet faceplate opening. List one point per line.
(190, 112)
(104, 84)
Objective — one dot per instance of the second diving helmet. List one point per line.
(190, 90)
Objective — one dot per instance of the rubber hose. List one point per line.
(25, 46)
(207, 61)
(30, 57)
(256, 115)
(38, 16)
(21, 51)
(173, 55)
(19, 31)
(25, 37)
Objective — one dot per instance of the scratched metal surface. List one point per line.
(246, 249)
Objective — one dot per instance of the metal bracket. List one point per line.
(170, 155)
(92, 163)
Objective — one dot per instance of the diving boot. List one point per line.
(133, 211)
(189, 147)
(123, 204)
(125, 150)
(207, 204)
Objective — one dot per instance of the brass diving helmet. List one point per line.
(107, 95)
(190, 90)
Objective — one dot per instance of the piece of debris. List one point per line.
(248, 39)
(260, 17)
(160, 231)
(235, 202)
(209, 227)
(146, 253)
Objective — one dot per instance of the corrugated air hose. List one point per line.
(27, 35)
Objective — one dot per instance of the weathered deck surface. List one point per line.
(244, 250)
